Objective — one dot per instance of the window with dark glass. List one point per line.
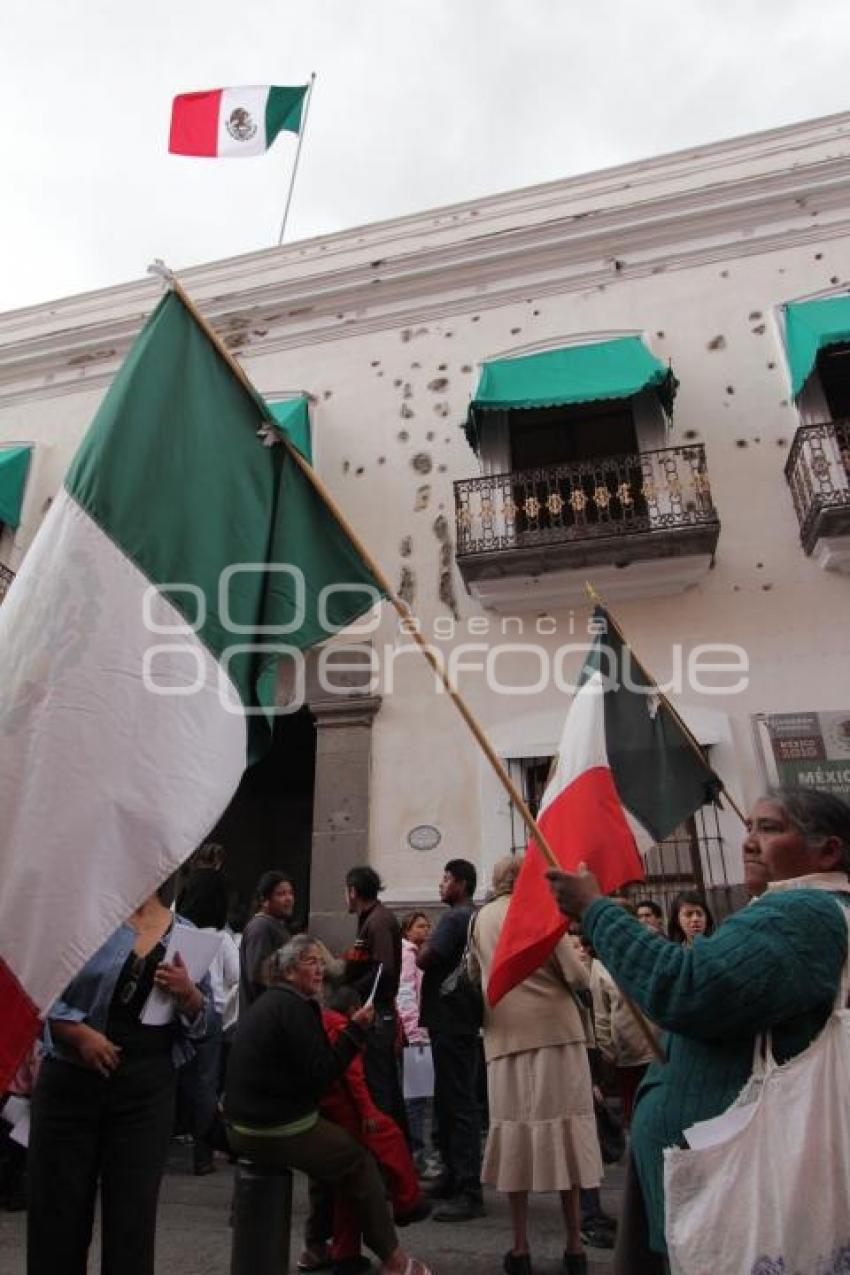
(578, 463)
(833, 369)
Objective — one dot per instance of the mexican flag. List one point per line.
(234, 121)
(180, 563)
(625, 771)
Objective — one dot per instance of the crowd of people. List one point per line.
(367, 1074)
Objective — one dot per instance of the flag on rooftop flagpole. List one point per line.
(229, 122)
(624, 765)
(139, 651)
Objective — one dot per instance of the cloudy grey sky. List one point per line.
(418, 103)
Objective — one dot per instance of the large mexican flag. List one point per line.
(139, 647)
(625, 771)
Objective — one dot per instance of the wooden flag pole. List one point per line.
(408, 618)
(686, 731)
(403, 611)
(302, 130)
(460, 704)
(377, 571)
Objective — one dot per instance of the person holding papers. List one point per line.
(103, 1106)
(418, 1069)
(377, 947)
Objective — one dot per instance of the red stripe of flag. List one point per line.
(194, 123)
(21, 1024)
(584, 824)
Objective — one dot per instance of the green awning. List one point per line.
(14, 466)
(293, 416)
(810, 326)
(574, 374)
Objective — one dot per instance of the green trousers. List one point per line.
(330, 1156)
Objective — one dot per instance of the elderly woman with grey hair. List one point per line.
(542, 1133)
(281, 1064)
(774, 966)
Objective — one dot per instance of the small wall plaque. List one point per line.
(424, 837)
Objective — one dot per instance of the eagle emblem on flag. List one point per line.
(240, 125)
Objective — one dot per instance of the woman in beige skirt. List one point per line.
(542, 1126)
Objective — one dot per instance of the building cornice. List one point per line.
(771, 191)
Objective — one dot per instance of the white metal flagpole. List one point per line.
(302, 130)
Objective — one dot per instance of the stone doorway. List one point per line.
(269, 822)
(304, 808)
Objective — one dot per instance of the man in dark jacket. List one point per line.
(268, 930)
(455, 1049)
(378, 944)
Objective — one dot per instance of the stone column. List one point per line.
(340, 809)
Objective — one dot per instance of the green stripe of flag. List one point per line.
(173, 471)
(660, 777)
(283, 110)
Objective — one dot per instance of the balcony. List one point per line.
(818, 473)
(637, 525)
(6, 578)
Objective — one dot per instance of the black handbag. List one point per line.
(610, 1131)
(461, 991)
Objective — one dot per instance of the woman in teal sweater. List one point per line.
(776, 964)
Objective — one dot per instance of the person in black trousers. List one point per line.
(378, 943)
(203, 901)
(456, 1050)
(103, 1104)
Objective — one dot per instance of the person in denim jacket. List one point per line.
(103, 1107)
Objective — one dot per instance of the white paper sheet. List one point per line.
(14, 1107)
(197, 948)
(418, 1072)
(21, 1130)
(16, 1112)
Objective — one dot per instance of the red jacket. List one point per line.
(348, 1101)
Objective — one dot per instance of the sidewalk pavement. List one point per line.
(193, 1235)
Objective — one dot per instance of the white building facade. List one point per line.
(720, 535)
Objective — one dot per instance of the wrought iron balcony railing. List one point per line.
(6, 578)
(818, 473)
(611, 496)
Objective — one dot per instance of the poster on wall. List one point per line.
(811, 750)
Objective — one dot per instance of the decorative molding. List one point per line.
(345, 711)
(777, 190)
